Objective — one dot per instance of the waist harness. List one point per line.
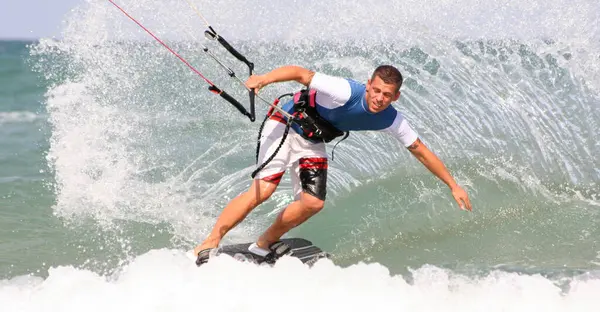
(314, 127)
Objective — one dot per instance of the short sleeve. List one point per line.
(402, 131)
(332, 92)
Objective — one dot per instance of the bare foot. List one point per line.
(261, 243)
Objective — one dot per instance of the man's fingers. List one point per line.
(467, 203)
(462, 199)
(463, 203)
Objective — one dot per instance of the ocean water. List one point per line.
(115, 160)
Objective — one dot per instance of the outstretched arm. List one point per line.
(281, 74)
(435, 165)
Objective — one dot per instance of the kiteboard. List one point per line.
(302, 249)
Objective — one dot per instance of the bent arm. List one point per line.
(289, 73)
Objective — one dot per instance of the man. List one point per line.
(349, 106)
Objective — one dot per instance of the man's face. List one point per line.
(380, 94)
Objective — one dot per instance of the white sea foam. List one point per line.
(166, 280)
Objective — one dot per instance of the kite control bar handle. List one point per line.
(212, 34)
(231, 100)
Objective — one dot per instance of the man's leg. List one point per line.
(293, 215)
(311, 173)
(262, 187)
(237, 210)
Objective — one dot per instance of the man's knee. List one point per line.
(261, 190)
(312, 203)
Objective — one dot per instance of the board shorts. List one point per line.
(307, 160)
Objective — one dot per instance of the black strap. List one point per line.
(283, 138)
(276, 252)
(203, 256)
(338, 142)
(285, 134)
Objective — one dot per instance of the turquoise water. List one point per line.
(116, 161)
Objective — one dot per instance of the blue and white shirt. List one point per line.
(342, 102)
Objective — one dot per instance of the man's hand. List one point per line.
(256, 82)
(461, 198)
(281, 74)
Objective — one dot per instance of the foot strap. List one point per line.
(277, 250)
(203, 256)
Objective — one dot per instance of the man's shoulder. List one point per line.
(321, 79)
(335, 91)
(356, 84)
(357, 90)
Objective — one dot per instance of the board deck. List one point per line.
(301, 248)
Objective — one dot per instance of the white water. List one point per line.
(166, 280)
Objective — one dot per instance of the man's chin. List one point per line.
(375, 109)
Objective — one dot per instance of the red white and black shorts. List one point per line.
(307, 160)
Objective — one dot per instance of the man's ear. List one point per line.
(368, 84)
(396, 97)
